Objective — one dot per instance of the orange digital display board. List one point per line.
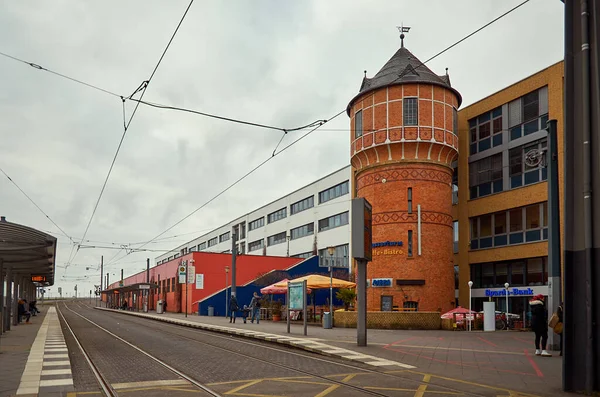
(38, 279)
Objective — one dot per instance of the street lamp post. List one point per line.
(331, 251)
(506, 286)
(470, 286)
(226, 285)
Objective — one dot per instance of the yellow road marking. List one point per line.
(472, 383)
(398, 389)
(304, 382)
(422, 388)
(334, 387)
(242, 387)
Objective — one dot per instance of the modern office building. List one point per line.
(403, 143)
(502, 209)
(300, 224)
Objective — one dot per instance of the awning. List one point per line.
(30, 252)
(131, 287)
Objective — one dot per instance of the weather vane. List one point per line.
(403, 29)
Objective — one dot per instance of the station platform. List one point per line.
(34, 357)
(493, 358)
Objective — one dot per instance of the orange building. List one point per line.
(404, 142)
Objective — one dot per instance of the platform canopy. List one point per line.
(30, 252)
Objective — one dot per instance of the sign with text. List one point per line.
(191, 276)
(38, 279)
(199, 281)
(381, 282)
(362, 229)
(296, 296)
(332, 261)
(182, 273)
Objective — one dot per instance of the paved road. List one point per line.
(230, 365)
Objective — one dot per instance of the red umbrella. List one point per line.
(461, 313)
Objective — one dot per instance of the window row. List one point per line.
(526, 163)
(516, 226)
(526, 115)
(410, 116)
(334, 192)
(518, 273)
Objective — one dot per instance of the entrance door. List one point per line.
(387, 303)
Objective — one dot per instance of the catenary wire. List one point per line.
(240, 179)
(422, 63)
(38, 67)
(168, 107)
(468, 36)
(34, 203)
(143, 90)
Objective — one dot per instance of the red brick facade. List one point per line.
(389, 159)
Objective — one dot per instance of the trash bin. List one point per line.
(327, 320)
(211, 310)
(159, 307)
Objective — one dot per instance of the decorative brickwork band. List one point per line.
(402, 174)
(404, 217)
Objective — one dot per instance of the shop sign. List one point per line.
(381, 282)
(512, 291)
(388, 244)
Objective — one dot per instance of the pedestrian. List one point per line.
(559, 327)
(255, 308)
(539, 325)
(33, 308)
(246, 312)
(233, 308)
(22, 310)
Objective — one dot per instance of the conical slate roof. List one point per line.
(403, 68)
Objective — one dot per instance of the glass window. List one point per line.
(410, 111)
(485, 176)
(255, 245)
(277, 215)
(302, 205)
(224, 237)
(358, 124)
(278, 238)
(474, 232)
(485, 225)
(213, 241)
(517, 274)
(302, 231)
(545, 213)
(410, 243)
(333, 221)
(516, 220)
(500, 223)
(532, 214)
(531, 106)
(334, 192)
(260, 222)
(535, 271)
(409, 193)
(501, 274)
(487, 275)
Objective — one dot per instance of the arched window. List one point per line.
(411, 305)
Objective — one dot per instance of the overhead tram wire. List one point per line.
(468, 36)
(275, 153)
(238, 181)
(37, 206)
(38, 67)
(143, 87)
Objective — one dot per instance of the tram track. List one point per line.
(104, 384)
(312, 374)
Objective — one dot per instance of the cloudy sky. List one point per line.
(285, 64)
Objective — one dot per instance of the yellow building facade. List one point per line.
(500, 198)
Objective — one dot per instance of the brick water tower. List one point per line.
(403, 134)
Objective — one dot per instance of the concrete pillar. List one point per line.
(14, 309)
(2, 299)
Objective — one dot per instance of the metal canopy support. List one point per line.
(1, 296)
(581, 355)
(9, 284)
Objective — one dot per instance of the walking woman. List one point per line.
(539, 325)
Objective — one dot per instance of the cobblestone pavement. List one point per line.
(238, 366)
(497, 359)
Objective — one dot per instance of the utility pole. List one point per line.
(147, 292)
(101, 273)
(233, 259)
(554, 253)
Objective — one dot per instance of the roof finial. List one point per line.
(365, 74)
(446, 71)
(403, 29)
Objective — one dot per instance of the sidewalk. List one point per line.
(15, 346)
(493, 358)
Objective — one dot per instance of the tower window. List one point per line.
(410, 243)
(409, 194)
(410, 107)
(358, 124)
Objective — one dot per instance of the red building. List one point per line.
(213, 276)
(403, 144)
